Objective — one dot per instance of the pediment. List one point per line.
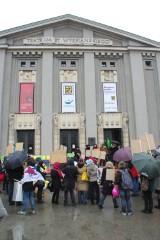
(69, 26)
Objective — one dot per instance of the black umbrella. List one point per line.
(15, 159)
(115, 142)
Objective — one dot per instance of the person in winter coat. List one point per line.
(148, 199)
(157, 191)
(135, 179)
(31, 176)
(1, 173)
(56, 175)
(107, 186)
(13, 174)
(70, 177)
(40, 185)
(82, 186)
(92, 171)
(124, 193)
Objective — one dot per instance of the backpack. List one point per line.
(127, 183)
(144, 184)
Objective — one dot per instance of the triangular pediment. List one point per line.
(70, 26)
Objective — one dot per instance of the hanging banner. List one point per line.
(26, 97)
(110, 97)
(68, 97)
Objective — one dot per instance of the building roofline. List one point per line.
(104, 27)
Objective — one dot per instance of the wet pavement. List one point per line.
(86, 222)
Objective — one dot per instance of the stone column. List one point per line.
(139, 94)
(2, 61)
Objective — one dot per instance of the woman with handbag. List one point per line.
(82, 185)
(107, 186)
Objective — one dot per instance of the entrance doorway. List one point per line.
(69, 138)
(114, 134)
(27, 137)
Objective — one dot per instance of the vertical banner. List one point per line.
(110, 97)
(68, 97)
(26, 97)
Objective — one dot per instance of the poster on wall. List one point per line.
(110, 97)
(26, 97)
(68, 97)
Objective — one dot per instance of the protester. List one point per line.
(157, 191)
(135, 179)
(82, 186)
(40, 184)
(124, 193)
(107, 186)
(31, 176)
(92, 171)
(149, 185)
(1, 173)
(13, 174)
(70, 172)
(56, 175)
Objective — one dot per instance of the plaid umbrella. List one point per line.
(15, 159)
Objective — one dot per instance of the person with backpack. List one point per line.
(124, 181)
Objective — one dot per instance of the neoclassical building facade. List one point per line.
(71, 81)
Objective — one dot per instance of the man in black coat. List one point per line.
(70, 172)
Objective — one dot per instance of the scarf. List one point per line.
(56, 168)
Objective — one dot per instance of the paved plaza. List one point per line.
(86, 222)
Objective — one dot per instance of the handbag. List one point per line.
(17, 192)
(1, 177)
(50, 186)
(85, 177)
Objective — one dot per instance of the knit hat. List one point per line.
(121, 165)
(89, 162)
(109, 164)
(93, 159)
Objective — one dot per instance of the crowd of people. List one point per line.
(84, 175)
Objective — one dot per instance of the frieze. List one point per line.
(67, 41)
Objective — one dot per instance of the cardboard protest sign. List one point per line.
(88, 153)
(10, 149)
(147, 141)
(58, 156)
(136, 146)
(110, 174)
(96, 153)
(102, 155)
(19, 146)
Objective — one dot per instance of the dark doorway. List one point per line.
(27, 137)
(114, 134)
(69, 138)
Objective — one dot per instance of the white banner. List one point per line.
(68, 97)
(110, 97)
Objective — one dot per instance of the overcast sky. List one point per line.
(140, 17)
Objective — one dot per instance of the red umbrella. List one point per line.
(123, 154)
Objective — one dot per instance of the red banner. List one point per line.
(26, 98)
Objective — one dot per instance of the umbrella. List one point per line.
(15, 159)
(122, 154)
(115, 142)
(145, 163)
